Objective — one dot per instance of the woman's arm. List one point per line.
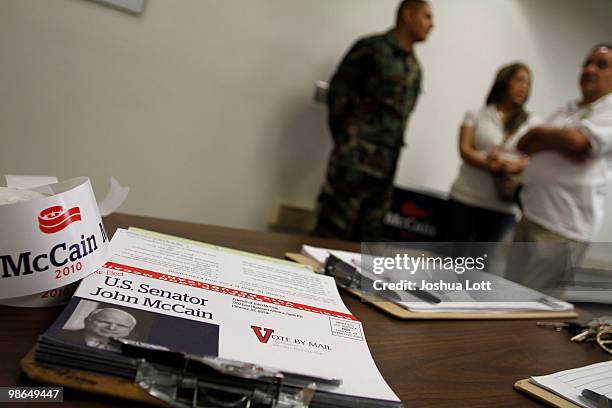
(472, 156)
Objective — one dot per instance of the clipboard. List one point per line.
(399, 312)
(543, 395)
(122, 388)
(87, 381)
(171, 378)
(155, 374)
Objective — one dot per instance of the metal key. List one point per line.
(571, 327)
(584, 336)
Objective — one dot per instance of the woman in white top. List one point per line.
(487, 143)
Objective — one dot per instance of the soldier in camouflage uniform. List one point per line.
(370, 98)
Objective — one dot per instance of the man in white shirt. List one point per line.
(566, 181)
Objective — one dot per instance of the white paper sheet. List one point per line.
(24, 182)
(12, 195)
(115, 197)
(569, 384)
(22, 193)
(31, 185)
(453, 301)
(270, 312)
(51, 241)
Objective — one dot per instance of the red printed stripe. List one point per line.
(226, 291)
(54, 219)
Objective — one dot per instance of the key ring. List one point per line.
(604, 337)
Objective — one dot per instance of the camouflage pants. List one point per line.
(357, 192)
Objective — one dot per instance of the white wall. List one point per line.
(204, 107)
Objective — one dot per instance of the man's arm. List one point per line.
(346, 84)
(568, 141)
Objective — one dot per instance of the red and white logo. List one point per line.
(410, 208)
(54, 219)
(264, 336)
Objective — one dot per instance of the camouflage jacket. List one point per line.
(374, 91)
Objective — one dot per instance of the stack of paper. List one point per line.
(470, 291)
(207, 300)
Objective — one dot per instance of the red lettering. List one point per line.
(263, 338)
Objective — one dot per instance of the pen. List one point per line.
(601, 400)
(424, 295)
(419, 293)
(550, 303)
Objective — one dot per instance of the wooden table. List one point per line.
(427, 363)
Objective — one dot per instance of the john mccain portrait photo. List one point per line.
(93, 324)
